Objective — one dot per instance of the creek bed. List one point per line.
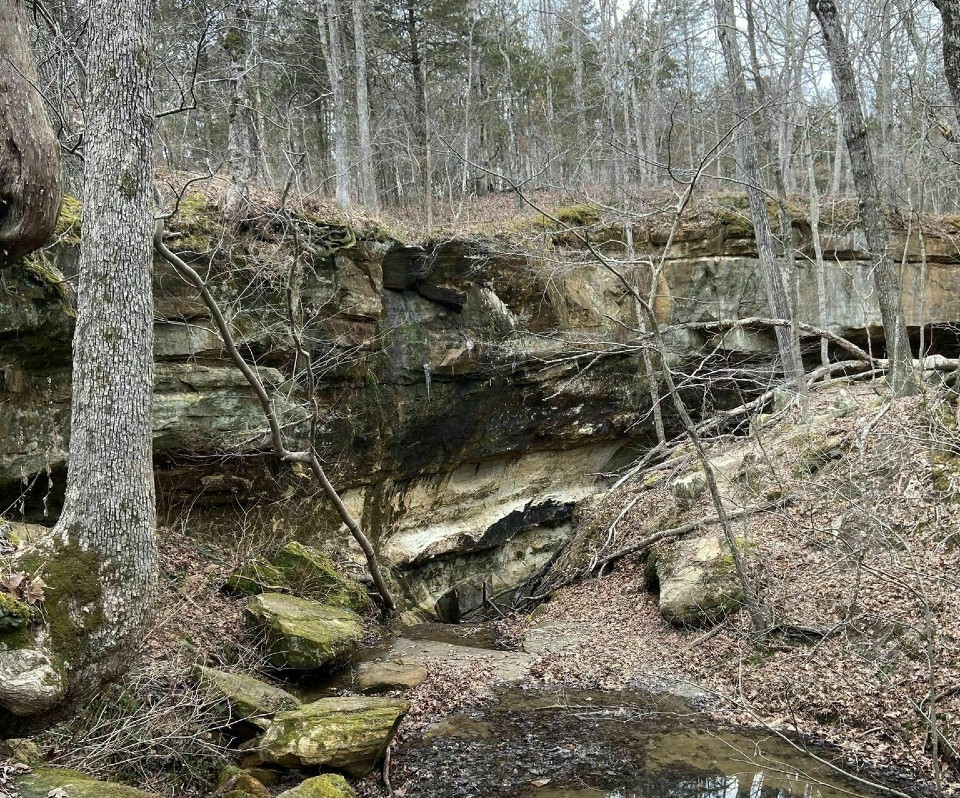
(583, 744)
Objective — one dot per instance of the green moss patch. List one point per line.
(42, 782)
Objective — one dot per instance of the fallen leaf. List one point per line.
(541, 782)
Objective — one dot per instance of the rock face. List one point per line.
(473, 390)
(348, 734)
(301, 634)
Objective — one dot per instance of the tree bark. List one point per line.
(108, 523)
(787, 340)
(902, 372)
(422, 120)
(368, 174)
(950, 14)
(30, 188)
(243, 136)
(333, 55)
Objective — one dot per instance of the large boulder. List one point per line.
(330, 785)
(73, 784)
(348, 734)
(301, 634)
(311, 573)
(248, 699)
(698, 583)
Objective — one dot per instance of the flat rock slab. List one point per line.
(301, 634)
(381, 676)
(248, 698)
(349, 734)
(74, 784)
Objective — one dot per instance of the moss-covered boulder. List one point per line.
(330, 785)
(255, 577)
(348, 734)
(247, 698)
(311, 573)
(74, 784)
(394, 674)
(301, 634)
(698, 583)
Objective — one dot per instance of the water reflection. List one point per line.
(607, 745)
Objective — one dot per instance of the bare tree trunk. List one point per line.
(422, 120)
(902, 372)
(950, 14)
(108, 524)
(333, 55)
(836, 186)
(368, 168)
(30, 187)
(243, 137)
(817, 248)
(787, 340)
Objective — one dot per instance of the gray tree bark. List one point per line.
(950, 14)
(30, 188)
(333, 55)
(368, 174)
(787, 340)
(108, 523)
(243, 136)
(902, 372)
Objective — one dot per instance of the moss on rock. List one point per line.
(303, 634)
(15, 614)
(248, 698)
(74, 784)
(311, 573)
(349, 734)
(330, 785)
(256, 577)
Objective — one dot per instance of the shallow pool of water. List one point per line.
(605, 745)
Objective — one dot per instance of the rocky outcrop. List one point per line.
(348, 734)
(473, 390)
(300, 634)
